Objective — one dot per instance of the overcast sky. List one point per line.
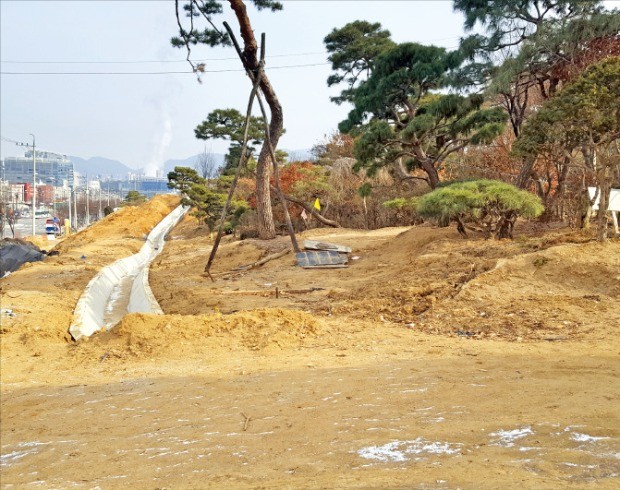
(142, 120)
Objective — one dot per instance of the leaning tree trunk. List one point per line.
(266, 227)
(604, 184)
(506, 225)
(525, 173)
(552, 204)
(428, 166)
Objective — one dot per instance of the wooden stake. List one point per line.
(246, 422)
(242, 159)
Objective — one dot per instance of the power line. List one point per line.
(156, 72)
(9, 140)
(98, 73)
(149, 61)
(282, 55)
(39, 151)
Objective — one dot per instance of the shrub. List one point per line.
(491, 205)
(133, 198)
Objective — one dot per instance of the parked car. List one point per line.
(52, 226)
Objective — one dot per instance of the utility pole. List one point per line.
(100, 212)
(75, 214)
(34, 188)
(34, 183)
(87, 204)
(54, 197)
(70, 213)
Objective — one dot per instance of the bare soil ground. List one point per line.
(430, 362)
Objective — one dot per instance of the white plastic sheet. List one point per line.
(89, 313)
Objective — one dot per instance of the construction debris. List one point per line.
(323, 255)
(15, 252)
(318, 258)
(316, 245)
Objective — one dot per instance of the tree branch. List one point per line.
(311, 210)
(242, 160)
(184, 34)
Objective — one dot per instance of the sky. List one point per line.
(145, 119)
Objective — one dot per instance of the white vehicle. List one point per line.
(52, 226)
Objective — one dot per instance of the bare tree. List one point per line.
(3, 209)
(8, 213)
(206, 165)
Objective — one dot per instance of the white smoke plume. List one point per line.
(163, 104)
(160, 143)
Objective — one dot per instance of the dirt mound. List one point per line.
(420, 277)
(190, 227)
(42, 242)
(416, 269)
(267, 331)
(556, 294)
(424, 278)
(38, 300)
(563, 292)
(576, 270)
(127, 222)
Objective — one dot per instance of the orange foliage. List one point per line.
(493, 161)
(596, 50)
(291, 174)
(245, 190)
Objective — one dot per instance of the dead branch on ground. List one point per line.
(254, 265)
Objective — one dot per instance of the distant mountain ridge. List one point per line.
(101, 167)
(107, 168)
(190, 162)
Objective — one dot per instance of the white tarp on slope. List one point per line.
(89, 313)
(614, 199)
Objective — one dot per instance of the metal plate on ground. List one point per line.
(316, 245)
(320, 258)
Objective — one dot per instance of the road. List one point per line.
(23, 228)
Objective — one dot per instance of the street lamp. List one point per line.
(70, 206)
(34, 188)
(87, 194)
(34, 182)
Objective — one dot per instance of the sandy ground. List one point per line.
(430, 362)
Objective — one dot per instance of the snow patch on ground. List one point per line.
(400, 451)
(577, 436)
(507, 438)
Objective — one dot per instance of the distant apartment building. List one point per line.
(148, 186)
(15, 193)
(45, 194)
(51, 168)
